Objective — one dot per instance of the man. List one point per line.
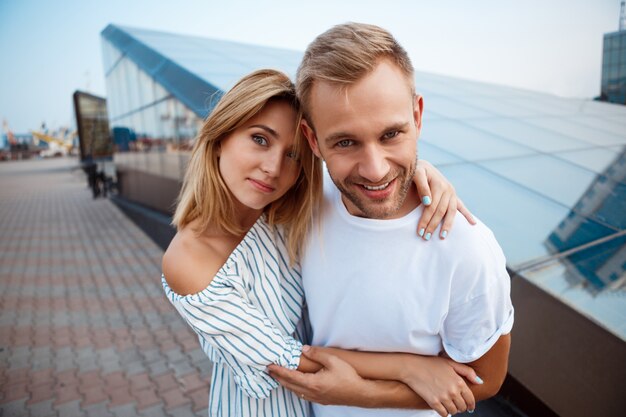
(370, 283)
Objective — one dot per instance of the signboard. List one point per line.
(92, 122)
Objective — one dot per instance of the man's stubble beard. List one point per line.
(369, 208)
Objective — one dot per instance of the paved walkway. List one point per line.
(85, 329)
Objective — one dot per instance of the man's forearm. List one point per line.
(372, 365)
(381, 371)
(389, 394)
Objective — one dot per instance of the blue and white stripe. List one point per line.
(249, 317)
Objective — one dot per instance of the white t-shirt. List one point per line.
(374, 285)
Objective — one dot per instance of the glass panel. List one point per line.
(435, 155)
(596, 160)
(602, 123)
(469, 143)
(520, 219)
(554, 178)
(444, 106)
(525, 134)
(578, 131)
(590, 282)
(498, 106)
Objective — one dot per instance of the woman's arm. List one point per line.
(220, 312)
(439, 199)
(381, 380)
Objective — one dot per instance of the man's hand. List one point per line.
(439, 381)
(336, 383)
(439, 199)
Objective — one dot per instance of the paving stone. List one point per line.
(98, 410)
(205, 367)
(174, 398)
(129, 355)
(181, 411)
(127, 410)
(80, 271)
(199, 398)
(158, 367)
(151, 355)
(153, 411)
(68, 409)
(14, 408)
(197, 355)
(146, 398)
(64, 364)
(182, 367)
(43, 408)
(175, 355)
(135, 368)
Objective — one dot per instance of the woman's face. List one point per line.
(257, 160)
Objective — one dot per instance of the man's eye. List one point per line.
(344, 143)
(391, 135)
(259, 140)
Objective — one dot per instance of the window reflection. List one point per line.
(598, 258)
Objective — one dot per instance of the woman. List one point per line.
(232, 269)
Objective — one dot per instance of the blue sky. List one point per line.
(49, 49)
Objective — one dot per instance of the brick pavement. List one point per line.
(85, 329)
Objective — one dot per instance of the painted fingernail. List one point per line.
(470, 411)
(444, 234)
(479, 380)
(426, 200)
(421, 232)
(427, 237)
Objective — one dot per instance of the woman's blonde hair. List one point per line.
(204, 194)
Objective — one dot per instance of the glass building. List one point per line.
(546, 174)
(614, 67)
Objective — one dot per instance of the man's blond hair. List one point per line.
(346, 53)
(204, 194)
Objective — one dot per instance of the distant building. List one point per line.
(614, 67)
(545, 173)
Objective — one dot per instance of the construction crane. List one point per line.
(57, 145)
(9, 133)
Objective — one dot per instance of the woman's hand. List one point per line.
(439, 381)
(439, 199)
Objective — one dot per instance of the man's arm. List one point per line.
(342, 380)
(338, 383)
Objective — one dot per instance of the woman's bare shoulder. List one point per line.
(191, 262)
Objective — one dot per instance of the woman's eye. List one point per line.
(391, 135)
(344, 143)
(259, 140)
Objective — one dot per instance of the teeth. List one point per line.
(378, 188)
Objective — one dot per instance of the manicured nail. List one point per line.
(444, 234)
(470, 411)
(426, 200)
(479, 380)
(421, 232)
(306, 348)
(427, 237)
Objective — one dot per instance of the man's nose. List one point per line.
(373, 164)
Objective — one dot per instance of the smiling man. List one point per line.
(370, 283)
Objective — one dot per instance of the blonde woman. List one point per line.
(232, 269)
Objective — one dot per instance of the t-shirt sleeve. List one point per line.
(239, 333)
(480, 310)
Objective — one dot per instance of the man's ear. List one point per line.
(418, 109)
(310, 136)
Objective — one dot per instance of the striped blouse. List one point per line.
(249, 317)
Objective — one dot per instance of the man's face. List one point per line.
(367, 134)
